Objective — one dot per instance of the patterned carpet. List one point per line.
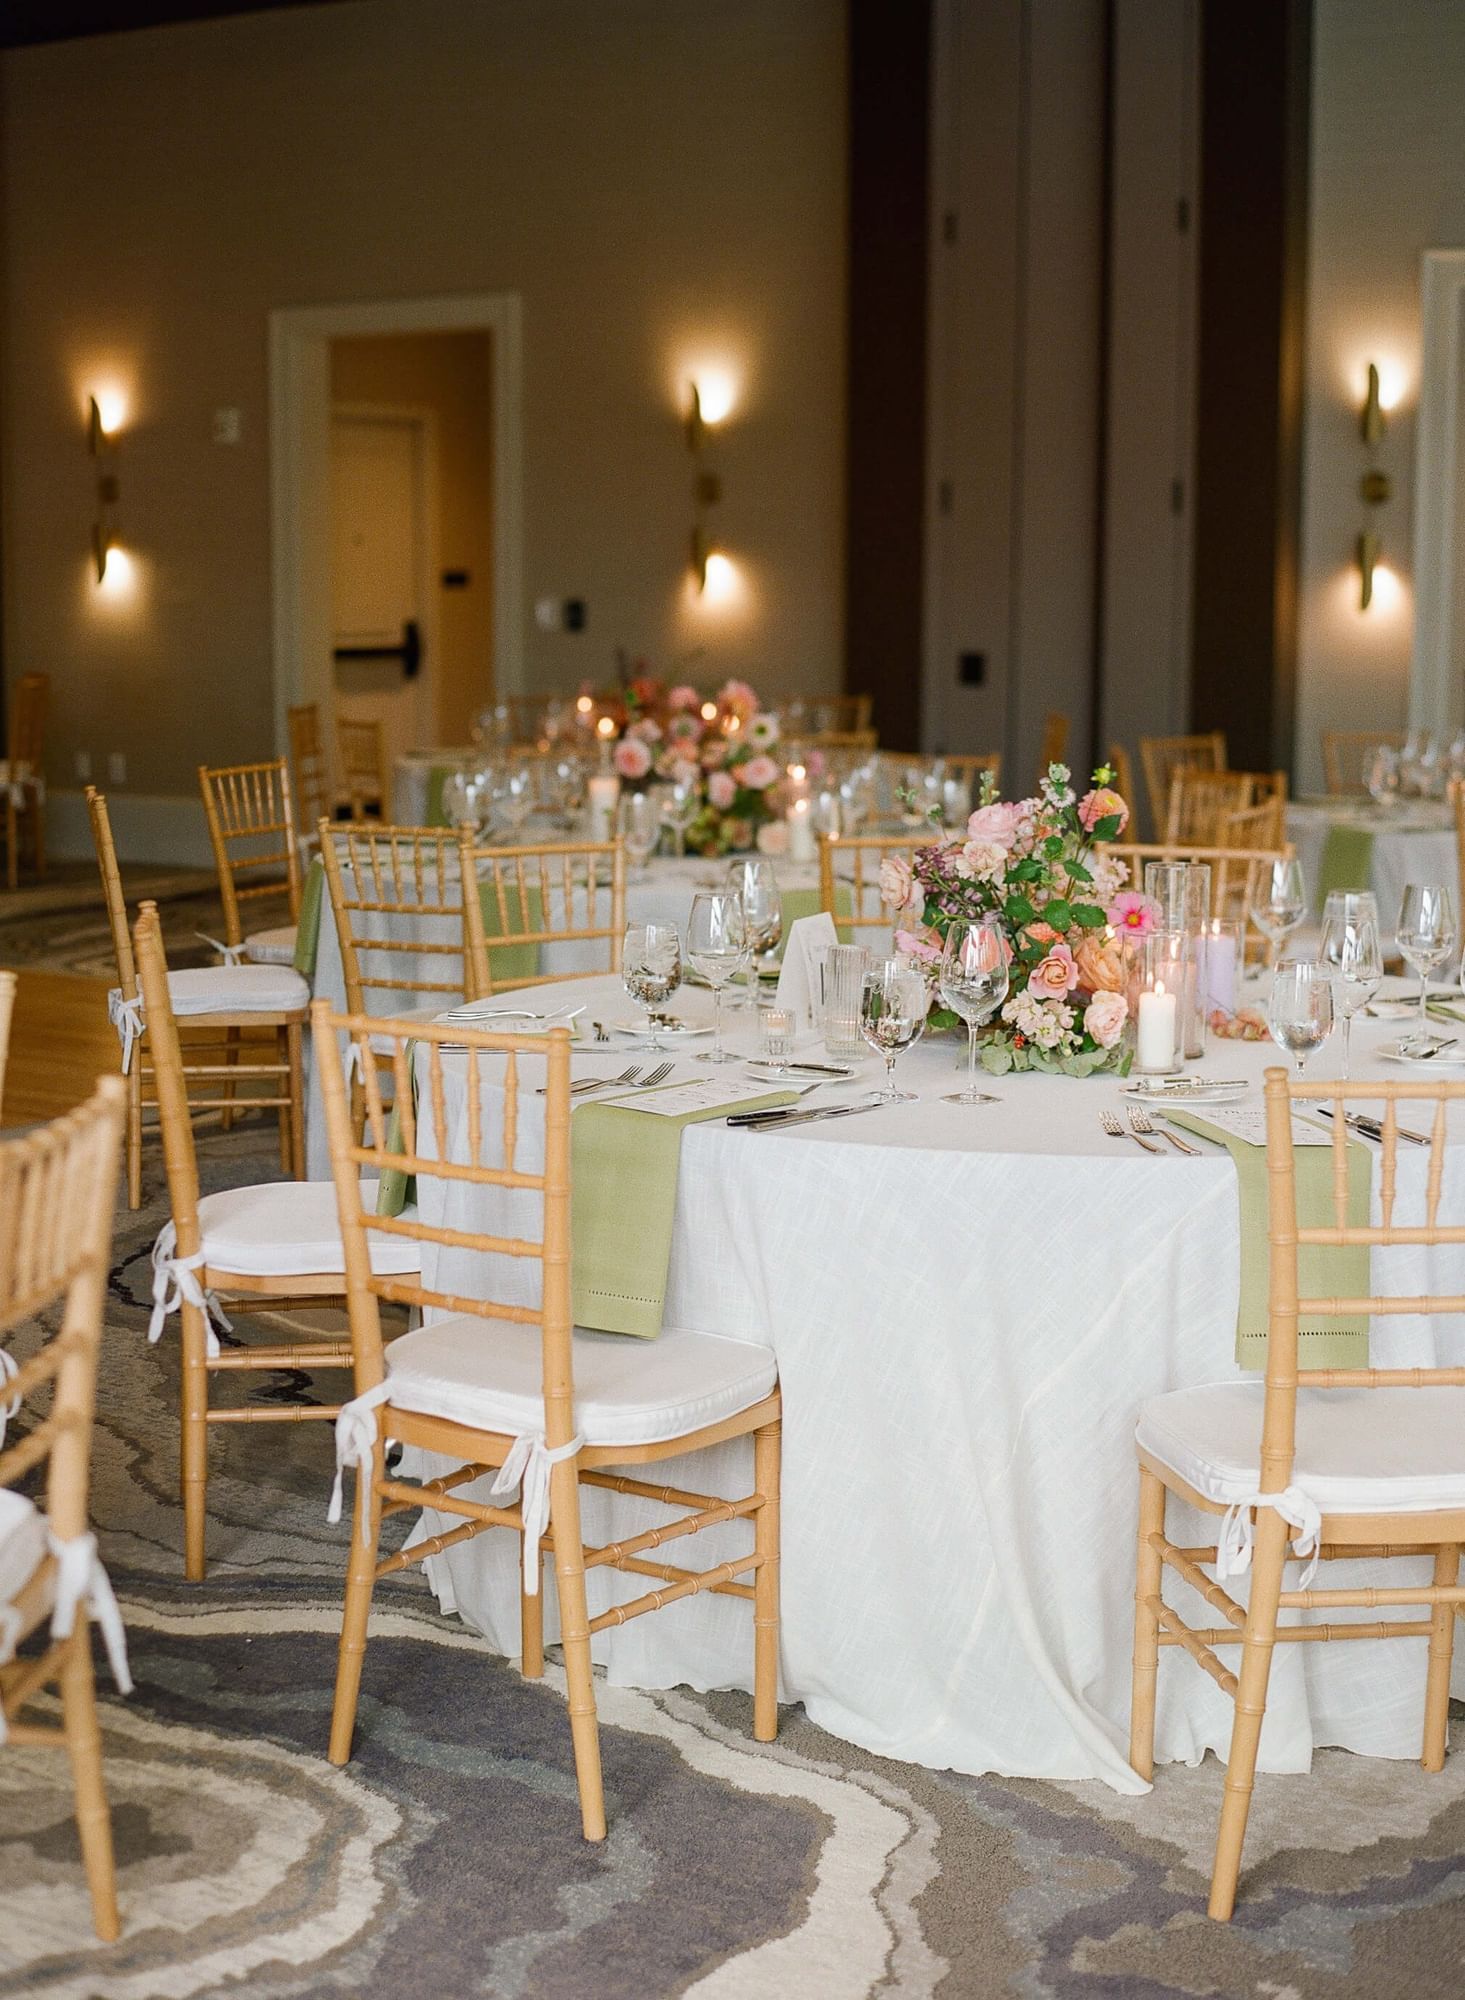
(61, 925)
(446, 1860)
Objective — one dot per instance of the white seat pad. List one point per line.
(1359, 1451)
(275, 947)
(22, 1546)
(490, 1374)
(232, 989)
(284, 1229)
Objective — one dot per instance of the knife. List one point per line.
(1371, 1128)
(762, 1121)
(804, 1068)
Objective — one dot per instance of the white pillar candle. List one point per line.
(1218, 969)
(1155, 1034)
(802, 845)
(603, 792)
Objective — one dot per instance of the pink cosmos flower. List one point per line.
(1104, 1018)
(758, 773)
(995, 824)
(1055, 976)
(721, 790)
(1102, 804)
(1133, 912)
(631, 758)
(683, 697)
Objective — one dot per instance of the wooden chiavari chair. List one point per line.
(840, 714)
(272, 1248)
(214, 999)
(974, 767)
(1343, 753)
(58, 1187)
(252, 832)
(22, 775)
(1163, 756)
(863, 740)
(397, 899)
(1236, 869)
(314, 798)
(510, 1385)
(1347, 1478)
(1199, 800)
(7, 1010)
(571, 893)
(362, 749)
(849, 881)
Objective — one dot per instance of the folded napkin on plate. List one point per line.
(1322, 1271)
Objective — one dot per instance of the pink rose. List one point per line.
(924, 945)
(995, 825)
(737, 698)
(1104, 1018)
(898, 889)
(1102, 804)
(721, 791)
(1055, 976)
(980, 860)
(632, 758)
(714, 752)
(758, 773)
(684, 729)
(648, 729)
(1132, 912)
(683, 697)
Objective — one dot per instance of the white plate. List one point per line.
(1452, 1059)
(1196, 1093)
(677, 1031)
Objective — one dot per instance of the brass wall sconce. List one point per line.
(706, 491)
(1374, 488)
(102, 445)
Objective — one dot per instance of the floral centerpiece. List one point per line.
(724, 744)
(1065, 912)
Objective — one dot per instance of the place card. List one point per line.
(797, 990)
(1248, 1122)
(676, 1100)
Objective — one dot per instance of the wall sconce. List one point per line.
(102, 445)
(1374, 488)
(709, 404)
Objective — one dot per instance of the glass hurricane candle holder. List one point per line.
(1165, 981)
(1218, 972)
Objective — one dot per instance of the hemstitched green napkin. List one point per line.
(1322, 1269)
(1347, 861)
(512, 961)
(307, 931)
(437, 777)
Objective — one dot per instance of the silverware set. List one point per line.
(631, 1074)
(782, 1116)
(1371, 1128)
(1145, 1132)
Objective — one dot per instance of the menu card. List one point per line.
(1248, 1122)
(676, 1100)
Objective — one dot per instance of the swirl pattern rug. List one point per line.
(446, 1859)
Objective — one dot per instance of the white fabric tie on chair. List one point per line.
(355, 1442)
(81, 1579)
(9, 1408)
(1233, 1549)
(126, 1018)
(174, 1281)
(232, 954)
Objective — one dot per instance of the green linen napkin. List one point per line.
(1322, 1270)
(307, 931)
(1347, 861)
(512, 961)
(437, 777)
(805, 903)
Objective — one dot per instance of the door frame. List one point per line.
(1437, 497)
(425, 472)
(300, 447)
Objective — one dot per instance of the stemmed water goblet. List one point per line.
(1425, 935)
(679, 802)
(651, 969)
(1278, 903)
(1300, 1016)
(513, 796)
(753, 879)
(972, 981)
(1350, 948)
(717, 945)
(893, 1003)
(640, 828)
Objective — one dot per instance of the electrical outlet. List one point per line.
(84, 766)
(116, 768)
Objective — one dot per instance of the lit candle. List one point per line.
(1155, 1037)
(709, 711)
(802, 845)
(1218, 969)
(603, 791)
(605, 729)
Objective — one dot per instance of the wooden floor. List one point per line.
(60, 1043)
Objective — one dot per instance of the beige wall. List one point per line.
(1388, 183)
(449, 374)
(662, 182)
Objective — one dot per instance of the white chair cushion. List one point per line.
(231, 989)
(275, 947)
(22, 1544)
(285, 1229)
(490, 1374)
(1359, 1451)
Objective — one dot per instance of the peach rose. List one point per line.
(898, 890)
(1104, 1018)
(1101, 804)
(1055, 976)
(1101, 966)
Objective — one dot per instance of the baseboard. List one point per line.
(145, 828)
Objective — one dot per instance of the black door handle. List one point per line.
(409, 652)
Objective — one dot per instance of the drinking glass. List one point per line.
(640, 828)
(753, 879)
(1381, 774)
(513, 797)
(717, 945)
(679, 802)
(1351, 948)
(973, 983)
(893, 1002)
(1425, 935)
(1278, 903)
(837, 972)
(856, 797)
(956, 801)
(466, 798)
(567, 790)
(1301, 1013)
(651, 969)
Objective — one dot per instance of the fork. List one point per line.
(585, 1083)
(1116, 1131)
(654, 1076)
(1143, 1126)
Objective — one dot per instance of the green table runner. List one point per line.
(1347, 861)
(1322, 1270)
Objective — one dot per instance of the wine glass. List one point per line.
(1351, 948)
(1381, 774)
(640, 828)
(1301, 1013)
(1278, 903)
(679, 802)
(1425, 935)
(466, 798)
(753, 879)
(973, 982)
(513, 796)
(717, 944)
(651, 968)
(567, 790)
(893, 1003)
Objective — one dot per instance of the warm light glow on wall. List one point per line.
(1396, 375)
(111, 403)
(724, 585)
(1388, 592)
(717, 393)
(1389, 599)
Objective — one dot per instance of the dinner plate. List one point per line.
(666, 1031)
(1190, 1091)
(1452, 1058)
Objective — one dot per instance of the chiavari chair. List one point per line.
(22, 775)
(1378, 1475)
(214, 999)
(849, 880)
(397, 899)
(362, 749)
(511, 1385)
(862, 740)
(1200, 799)
(313, 795)
(1122, 765)
(1457, 804)
(973, 768)
(1236, 868)
(251, 825)
(272, 1248)
(7, 1011)
(841, 714)
(58, 1188)
(570, 893)
(1054, 748)
(1163, 756)
(1343, 753)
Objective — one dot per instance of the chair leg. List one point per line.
(12, 843)
(231, 1057)
(1441, 1651)
(531, 1624)
(293, 1052)
(38, 822)
(1251, 1705)
(193, 1440)
(1148, 1578)
(356, 1612)
(134, 1131)
(767, 1443)
(84, 1748)
(569, 1564)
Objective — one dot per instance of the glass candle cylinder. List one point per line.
(1218, 971)
(1165, 980)
(1183, 891)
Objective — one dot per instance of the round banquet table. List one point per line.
(968, 1307)
(1413, 841)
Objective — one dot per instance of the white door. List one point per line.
(381, 557)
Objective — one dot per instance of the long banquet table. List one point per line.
(968, 1307)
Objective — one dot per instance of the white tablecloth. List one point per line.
(968, 1307)
(1412, 842)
